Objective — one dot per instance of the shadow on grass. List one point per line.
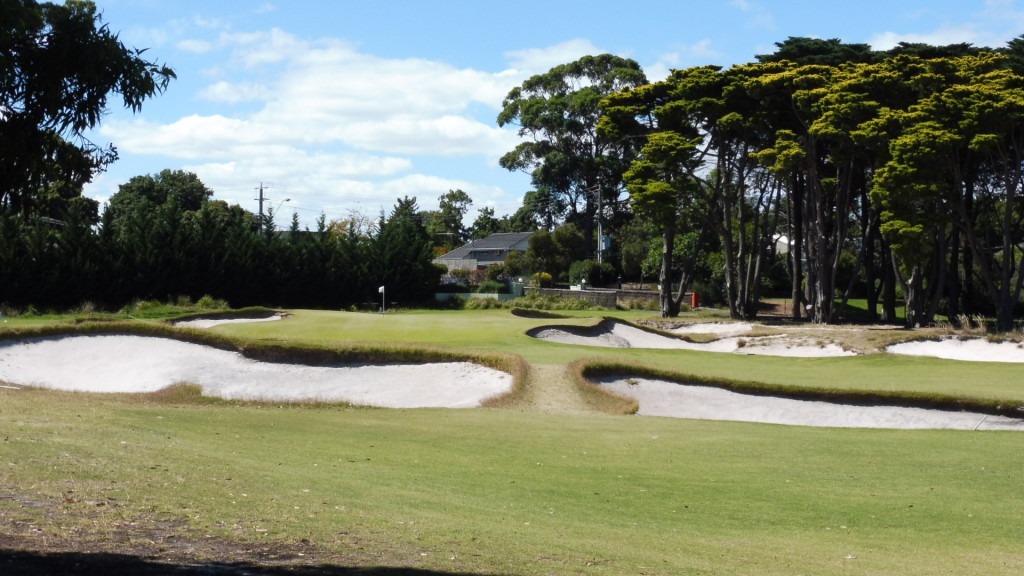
(24, 563)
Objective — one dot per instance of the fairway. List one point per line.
(547, 485)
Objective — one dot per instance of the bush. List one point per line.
(596, 274)
(542, 279)
(496, 272)
(492, 287)
(483, 304)
(207, 302)
(537, 302)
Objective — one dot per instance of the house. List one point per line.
(480, 254)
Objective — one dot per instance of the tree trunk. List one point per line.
(796, 246)
(668, 307)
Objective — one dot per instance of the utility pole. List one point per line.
(600, 228)
(261, 199)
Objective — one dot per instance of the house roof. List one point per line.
(500, 241)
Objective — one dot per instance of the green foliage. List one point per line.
(495, 272)
(148, 251)
(483, 303)
(594, 273)
(445, 225)
(542, 279)
(60, 66)
(403, 255)
(570, 161)
(492, 287)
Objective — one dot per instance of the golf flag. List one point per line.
(380, 290)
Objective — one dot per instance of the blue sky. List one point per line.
(343, 106)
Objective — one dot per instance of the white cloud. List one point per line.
(195, 46)
(697, 54)
(442, 136)
(333, 126)
(941, 37)
(993, 26)
(231, 93)
(253, 49)
(539, 60)
(757, 15)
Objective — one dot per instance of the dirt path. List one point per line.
(550, 389)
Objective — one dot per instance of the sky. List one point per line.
(340, 107)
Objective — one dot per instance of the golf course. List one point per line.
(554, 476)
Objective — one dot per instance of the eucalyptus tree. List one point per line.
(445, 224)
(557, 114)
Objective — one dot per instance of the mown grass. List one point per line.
(493, 491)
(502, 492)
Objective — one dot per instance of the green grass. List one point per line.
(499, 492)
(491, 491)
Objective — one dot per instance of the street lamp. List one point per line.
(280, 203)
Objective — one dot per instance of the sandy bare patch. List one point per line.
(118, 363)
(663, 398)
(972, 350)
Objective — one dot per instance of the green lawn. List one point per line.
(491, 491)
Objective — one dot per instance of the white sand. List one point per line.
(117, 363)
(622, 335)
(663, 398)
(720, 328)
(211, 322)
(973, 350)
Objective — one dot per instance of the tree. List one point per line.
(445, 224)
(832, 52)
(403, 254)
(554, 252)
(660, 182)
(558, 112)
(58, 66)
(486, 224)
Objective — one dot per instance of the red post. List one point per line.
(694, 300)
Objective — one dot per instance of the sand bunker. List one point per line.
(118, 363)
(720, 328)
(613, 334)
(974, 350)
(211, 322)
(663, 398)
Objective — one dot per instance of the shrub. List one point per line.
(483, 304)
(596, 274)
(542, 279)
(208, 302)
(496, 272)
(537, 302)
(492, 287)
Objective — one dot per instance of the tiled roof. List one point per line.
(500, 241)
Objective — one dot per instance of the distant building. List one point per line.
(480, 254)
